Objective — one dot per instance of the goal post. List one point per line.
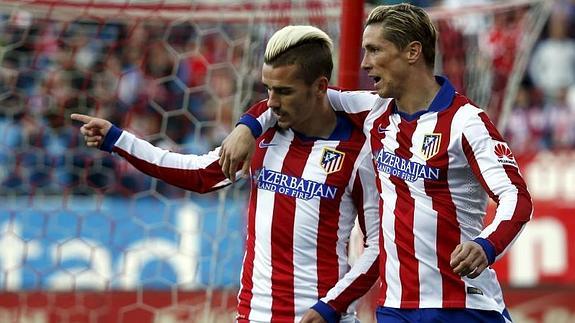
(351, 29)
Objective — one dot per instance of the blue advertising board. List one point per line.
(118, 243)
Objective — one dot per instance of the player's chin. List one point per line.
(383, 92)
(283, 124)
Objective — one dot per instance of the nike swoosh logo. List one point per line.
(263, 144)
(381, 129)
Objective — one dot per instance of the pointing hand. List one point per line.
(94, 129)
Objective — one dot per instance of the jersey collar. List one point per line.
(341, 132)
(441, 101)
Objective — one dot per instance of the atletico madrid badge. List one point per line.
(431, 143)
(331, 160)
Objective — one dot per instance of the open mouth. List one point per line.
(376, 79)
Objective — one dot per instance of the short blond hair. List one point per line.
(306, 46)
(291, 36)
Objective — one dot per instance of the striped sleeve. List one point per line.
(191, 172)
(357, 104)
(259, 118)
(495, 167)
(351, 101)
(364, 272)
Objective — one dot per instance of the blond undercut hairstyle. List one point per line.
(307, 47)
(404, 23)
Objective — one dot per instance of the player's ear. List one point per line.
(321, 84)
(413, 51)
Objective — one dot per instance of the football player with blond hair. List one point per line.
(311, 177)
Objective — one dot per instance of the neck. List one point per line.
(418, 94)
(321, 124)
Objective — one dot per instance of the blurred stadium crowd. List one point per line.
(543, 115)
(176, 86)
(131, 75)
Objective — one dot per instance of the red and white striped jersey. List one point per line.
(305, 196)
(435, 172)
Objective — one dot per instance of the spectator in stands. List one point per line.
(553, 64)
(525, 126)
(453, 56)
(500, 45)
(559, 122)
(568, 8)
(11, 137)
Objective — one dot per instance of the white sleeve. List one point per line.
(192, 172)
(495, 167)
(351, 101)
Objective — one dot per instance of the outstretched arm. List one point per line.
(191, 172)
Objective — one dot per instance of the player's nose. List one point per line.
(273, 101)
(365, 64)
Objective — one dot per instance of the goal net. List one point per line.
(485, 46)
(84, 237)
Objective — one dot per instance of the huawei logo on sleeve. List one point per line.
(502, 151)
(504, 154)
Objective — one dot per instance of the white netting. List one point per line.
(92, 239)
(87, 238)
(484, 48)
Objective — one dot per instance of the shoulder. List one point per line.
(356, 100)
(465, 109)
(259, 108)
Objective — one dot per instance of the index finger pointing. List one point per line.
(80, 117)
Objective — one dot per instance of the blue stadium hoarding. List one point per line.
(118, 243)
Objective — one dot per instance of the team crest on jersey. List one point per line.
(504, 154)
(430, 146)
(331, 160)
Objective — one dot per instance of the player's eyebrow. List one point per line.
(278, 88)
(370, 46)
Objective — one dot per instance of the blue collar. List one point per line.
(442, 100)
(341, 132)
